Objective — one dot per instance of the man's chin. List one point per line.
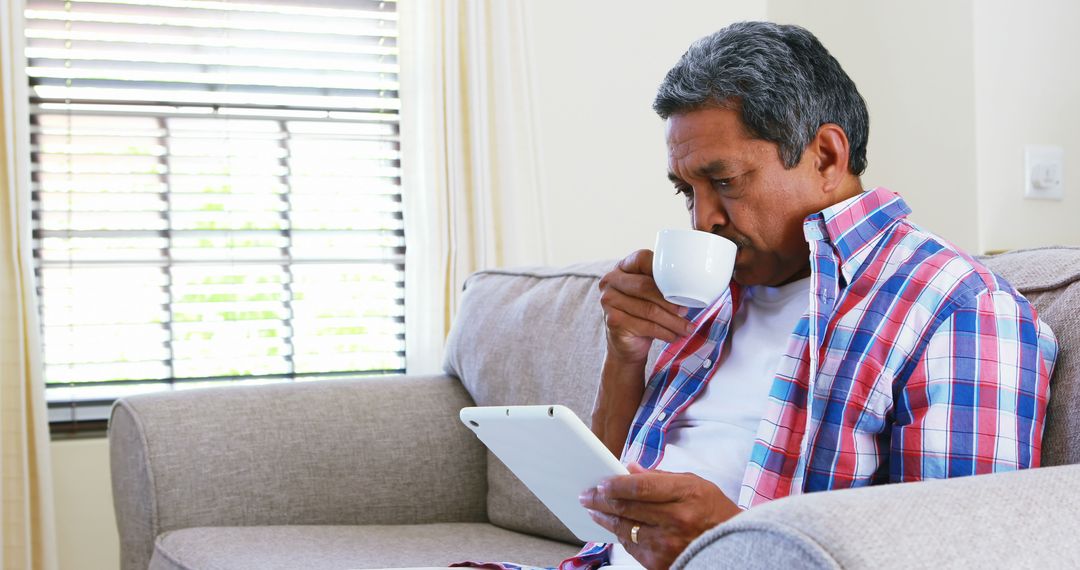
(744, 276)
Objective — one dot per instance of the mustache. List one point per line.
(738, 240)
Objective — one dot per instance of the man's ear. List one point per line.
(832, 152)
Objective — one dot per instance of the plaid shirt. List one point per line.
(912, 362)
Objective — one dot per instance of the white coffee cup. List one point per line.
(692, 268)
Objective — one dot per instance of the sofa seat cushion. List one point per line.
(333, 547)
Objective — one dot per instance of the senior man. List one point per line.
(853, 347)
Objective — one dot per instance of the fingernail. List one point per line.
(583, 498)
(689, 328)
(683, 311)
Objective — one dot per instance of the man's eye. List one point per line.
(687, 194)
(721, 182)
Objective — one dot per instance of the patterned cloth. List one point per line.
(913, 362)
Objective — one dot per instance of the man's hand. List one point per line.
(635, 314)
(670, 509)
(635, 311)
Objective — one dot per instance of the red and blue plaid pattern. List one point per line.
(913, 362)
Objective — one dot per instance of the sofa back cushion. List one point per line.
(1050, 279)
(529, 336)
(536, 336)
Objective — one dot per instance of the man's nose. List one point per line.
(707, 212)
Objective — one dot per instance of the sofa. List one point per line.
(379, 472)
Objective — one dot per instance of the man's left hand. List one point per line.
(669, 509)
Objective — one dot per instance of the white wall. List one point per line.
(85, 522)
(955, 89)
(1027, 89)
(951, 93)
(604, 161)
(912, 63)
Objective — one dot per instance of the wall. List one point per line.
(604, 162)
(1026, 92)
(914, 72)
(85, 523)
(952, 99)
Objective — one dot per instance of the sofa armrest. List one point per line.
(1011, 520)
(362, 451)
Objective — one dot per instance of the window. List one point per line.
(216, 194)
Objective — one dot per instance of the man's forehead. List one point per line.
(714, 167)
(709, 118)
(689, 132)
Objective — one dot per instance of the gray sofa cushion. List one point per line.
(340, 547)
(1024, 519)
(333, 452)
(1050, 279)
(503, 349)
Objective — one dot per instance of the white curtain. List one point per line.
(29, 530)
(471, 178)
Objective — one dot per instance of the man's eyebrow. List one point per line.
(714, 168)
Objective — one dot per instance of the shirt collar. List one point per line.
(853, 227)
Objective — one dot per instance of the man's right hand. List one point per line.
(635, 311)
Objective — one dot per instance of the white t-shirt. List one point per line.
(713, 436)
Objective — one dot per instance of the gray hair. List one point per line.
(784, 82)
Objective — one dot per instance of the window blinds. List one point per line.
(216, 194)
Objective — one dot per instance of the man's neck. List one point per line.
(850, 187)
(800, 274)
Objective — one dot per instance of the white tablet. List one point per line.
(553, 453)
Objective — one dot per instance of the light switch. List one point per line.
(1044, 176)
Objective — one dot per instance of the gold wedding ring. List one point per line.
(633, 533)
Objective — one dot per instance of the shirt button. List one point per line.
(662, 416)
(706, 364)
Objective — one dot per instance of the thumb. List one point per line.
(635, 467)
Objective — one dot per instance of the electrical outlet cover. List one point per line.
(1044, 172)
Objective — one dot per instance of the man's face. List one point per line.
(737, 187)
